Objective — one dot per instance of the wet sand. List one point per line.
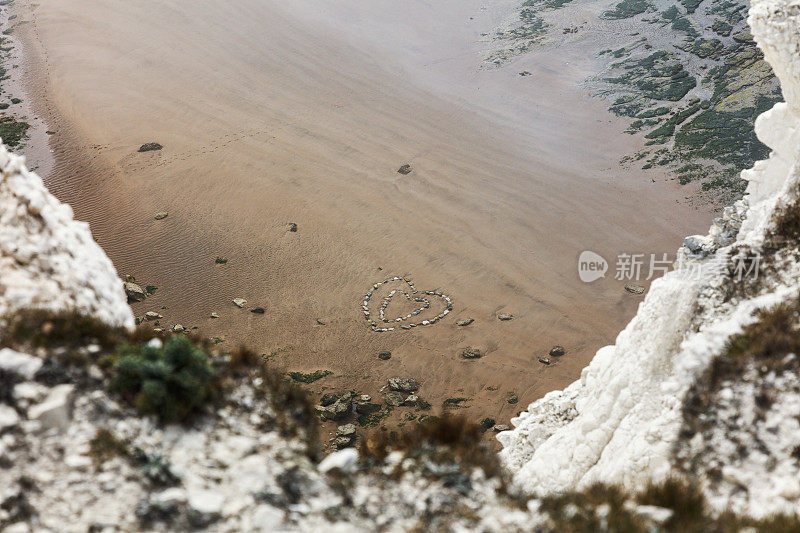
(273, 113)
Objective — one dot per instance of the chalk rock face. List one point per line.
(623, 421)
(47, 259)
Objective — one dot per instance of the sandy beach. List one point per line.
(273, 113)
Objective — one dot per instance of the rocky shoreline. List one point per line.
(688, 75)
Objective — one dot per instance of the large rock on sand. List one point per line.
(134, 292)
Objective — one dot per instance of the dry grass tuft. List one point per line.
(602, 507)
(445, 439)
(41, 328)
(767, 342)
(105, 445)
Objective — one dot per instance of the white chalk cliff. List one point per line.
(621, 422)
(47, 259)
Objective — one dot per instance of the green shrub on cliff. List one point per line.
(172, 382)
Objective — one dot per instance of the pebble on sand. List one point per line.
(134, 292)
(161, 216)
(149, 147)
(239, 302)
(634, 288)
(471, 353)
(404, 170)
(557, 351)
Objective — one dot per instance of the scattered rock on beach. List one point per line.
(345, 436)
(149, 147)
(404, 170)
(321, 322)
(177, 328)
(257, 310)
(394, 398)
(239, 302)
(214, 315)
(134, 292)
(337, 410)
(487, 424)
(385, 356)
(425, 405)
(404, 384)
(347, 430)
(501, 427)
(161, 216)
(327, 399)
(465, 322)
(293, 227)
(544, 360)
(513, 398)
(505, 316)
(471, 353)
(634, 288)
(525, 73)
(557, 351)
(411, 400)
(152, 315)
(366, 408)
(342, 442)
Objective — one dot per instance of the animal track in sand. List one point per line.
(420, 300)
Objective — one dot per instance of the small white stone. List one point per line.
(206, 501)
(268, 518)
(171, 496)
(654, 513)
(344, 460)
(77, 462)
(95, 372)
(54, 411)
(29, 390)
(19, 363)
(8, 417)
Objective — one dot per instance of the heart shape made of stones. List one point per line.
(406, 322)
